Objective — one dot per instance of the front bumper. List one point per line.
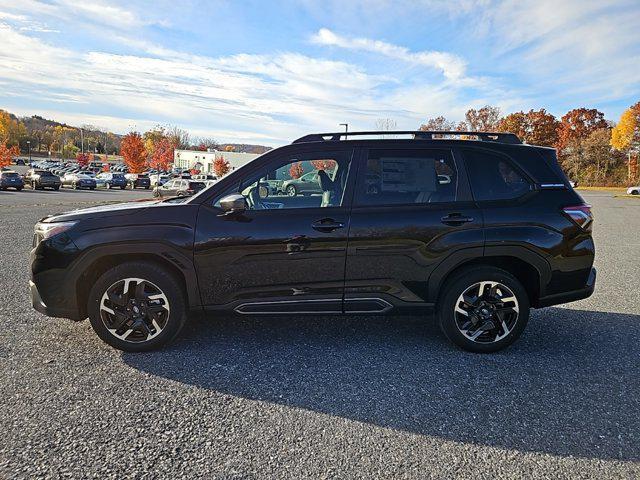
(38, 304)
(570, 296)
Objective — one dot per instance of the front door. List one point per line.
(412, 209)
(285, 253)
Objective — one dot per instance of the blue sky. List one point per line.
(269, 71)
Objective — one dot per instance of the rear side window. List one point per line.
(399, 176)
(493, 177)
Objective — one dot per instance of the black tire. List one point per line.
(19, 189)
(291, 191)
(107, 186)
(122, 188)
(92, 188)
(635, 192)
(158, 277)
(74, 186)
(147, 188)
(56, 188)
(457, 285)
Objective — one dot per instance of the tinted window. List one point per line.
(10, 174)
(408, 176)
(307, 181)
(493, 177)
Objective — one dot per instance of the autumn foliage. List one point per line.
(82, 159)
(323, 164)
(296, 170)
(220, 166)
(536, 127)
(7, 154)
(162, 157)
(133, 151)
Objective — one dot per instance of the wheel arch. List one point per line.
(98, 261)
(531, 269)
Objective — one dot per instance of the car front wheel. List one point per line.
(137, 306)
(292, 191)
(483, 309)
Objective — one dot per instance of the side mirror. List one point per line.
(233, 203)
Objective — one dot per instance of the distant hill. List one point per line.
(245, 148)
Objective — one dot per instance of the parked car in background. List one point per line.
(41, 179)
(307, 184)
(157, 179)
(20, 161)
(633, 190)
(178, 187)
(138, 180)
(110, 180)
(78, 181)
(11, 179)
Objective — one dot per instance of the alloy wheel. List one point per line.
(486, 312)
(134, 310)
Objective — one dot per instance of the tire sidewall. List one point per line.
(154, 274)
(454, 288)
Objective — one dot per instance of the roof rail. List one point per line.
(500, 137)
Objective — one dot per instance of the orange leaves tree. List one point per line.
(323, 164)
(577, 124)
(296, 170)
(133, 151)
(536, 127)
(162, 157)
(221, 166)
(82, 159)
(7, 154)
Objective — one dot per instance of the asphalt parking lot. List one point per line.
(322, 397)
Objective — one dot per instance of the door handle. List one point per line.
(455, 219)
(327, 225)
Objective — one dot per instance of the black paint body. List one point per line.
(382, 259)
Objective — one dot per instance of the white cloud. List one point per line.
(452, 66)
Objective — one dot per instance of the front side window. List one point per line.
(300, 181)
(493, 177)
(409, 176)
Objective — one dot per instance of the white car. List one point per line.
(633, 190)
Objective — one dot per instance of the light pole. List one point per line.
(29, 145)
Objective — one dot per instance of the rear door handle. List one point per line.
(327, 225)
(455, 219)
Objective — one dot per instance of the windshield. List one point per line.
(10, 174)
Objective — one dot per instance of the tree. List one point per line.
(152, 137)
(296, 170)
(625, 137)
(12, 130)
(7, 154)
(132, 149)
(323, 164)
(82, 159)
(178, 137)
(438, 124)
(162, 157)
(386, 124)
(485, 119)
(229, 148)
(591, 161)
(536, 127)
(578, 124)
(220, 166)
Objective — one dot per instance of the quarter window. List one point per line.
(493, 177)
(408, 177)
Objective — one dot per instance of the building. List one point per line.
(203, 160)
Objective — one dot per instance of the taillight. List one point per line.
(580, 214)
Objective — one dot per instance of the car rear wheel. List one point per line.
(483, 309)
(108, 186)
(137, 306)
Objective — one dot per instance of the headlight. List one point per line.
(47, 230)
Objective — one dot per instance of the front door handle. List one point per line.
(327, 225)
(455, 219)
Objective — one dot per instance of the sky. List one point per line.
(268, 72)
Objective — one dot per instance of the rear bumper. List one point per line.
(570, 296)
(40, 306)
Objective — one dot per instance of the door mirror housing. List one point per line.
(234, 203)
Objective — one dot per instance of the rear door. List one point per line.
(412, 211)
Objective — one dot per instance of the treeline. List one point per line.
(41, 136)
(592, 150)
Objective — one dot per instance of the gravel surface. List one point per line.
(321, 397)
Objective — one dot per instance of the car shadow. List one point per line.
(569, 386)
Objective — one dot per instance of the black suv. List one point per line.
(476, 227)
